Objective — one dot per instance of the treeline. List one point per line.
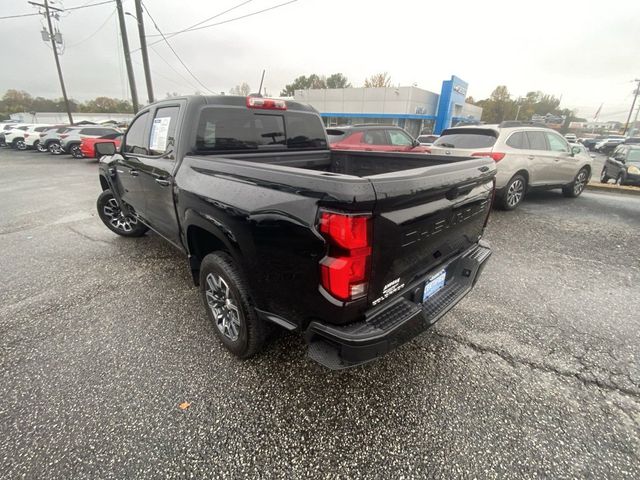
(14, 101)
(501, 105)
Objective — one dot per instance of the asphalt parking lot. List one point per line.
(535, 374)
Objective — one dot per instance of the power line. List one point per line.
(94, 33)
(173, 34)
(173, 68)
(174, 52)
(66, 10)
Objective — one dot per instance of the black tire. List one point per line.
(112, 217)
(55, 148)
(75, 151)
(604, 178)
(513, 193)
(40, 147)
(620, 179)
(218, 273)
(575, 188)
(19, 144)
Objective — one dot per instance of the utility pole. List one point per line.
(633, 104)
(127, 57)
(143, 50)
(261, 82)
(48, 9)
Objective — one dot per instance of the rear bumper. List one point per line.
(338, 347)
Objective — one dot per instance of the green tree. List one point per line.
(499, 106)
(378, 80)
(338, 80)
(302, 83)
(106, 105)
(15, 101)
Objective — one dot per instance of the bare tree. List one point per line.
(242, 89)
(378, 80)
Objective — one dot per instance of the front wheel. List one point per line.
(40, 146)
(20, 145)
(75, 151)
(229, 306)
(111, 215)
(513, 193)
(575, 188)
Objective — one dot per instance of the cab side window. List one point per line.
(162, 136)
(557, 143)
(135, 140)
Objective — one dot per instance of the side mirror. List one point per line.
(105, 148)
(415, 143)
(575, 150)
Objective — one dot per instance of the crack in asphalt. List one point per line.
(84, 235)
(509, 358)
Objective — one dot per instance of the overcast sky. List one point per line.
(588, 52)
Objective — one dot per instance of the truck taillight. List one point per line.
(495, 156)
(266, 103)
(344, 271)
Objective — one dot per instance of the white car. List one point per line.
(16, 135)
(4, 129)
(571, 137)
(32, 136)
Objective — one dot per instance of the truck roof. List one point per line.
(235, 101)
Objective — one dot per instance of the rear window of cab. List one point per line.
(240, 129)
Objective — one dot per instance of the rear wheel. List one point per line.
(55, 148)
(229, 306)
(75, 151)
(575, 188)
(604, 178)
(112, 216)
(513, 193)
(20, 145)
(40, 147)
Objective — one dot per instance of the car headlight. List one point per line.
(633, 170)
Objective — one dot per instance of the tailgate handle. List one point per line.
(458, 190)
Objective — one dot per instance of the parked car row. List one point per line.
(76, 140)
(527, 157)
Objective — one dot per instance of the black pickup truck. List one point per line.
(357, 251)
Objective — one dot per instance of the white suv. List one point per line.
(526, 157)
(31, 137)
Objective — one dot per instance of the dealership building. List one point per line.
(412, 108)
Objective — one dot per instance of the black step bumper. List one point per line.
(400, 320)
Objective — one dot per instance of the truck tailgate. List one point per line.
(422, 217)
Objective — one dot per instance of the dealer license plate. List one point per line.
(434, 285)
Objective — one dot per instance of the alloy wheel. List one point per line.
(20, 145)
(223, 306)
(515, 193)
(116, 218)
(40, 147)
(76, 152)
(55, 148)
(579, 184)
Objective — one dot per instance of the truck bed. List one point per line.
(359, 164)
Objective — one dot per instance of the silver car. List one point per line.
(70, 141)
(526, 157)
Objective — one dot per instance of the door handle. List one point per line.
(133, 172)
(163, 181)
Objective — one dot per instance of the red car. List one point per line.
(87, 145)
(378, 138)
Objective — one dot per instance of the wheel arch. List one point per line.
(203, 238)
